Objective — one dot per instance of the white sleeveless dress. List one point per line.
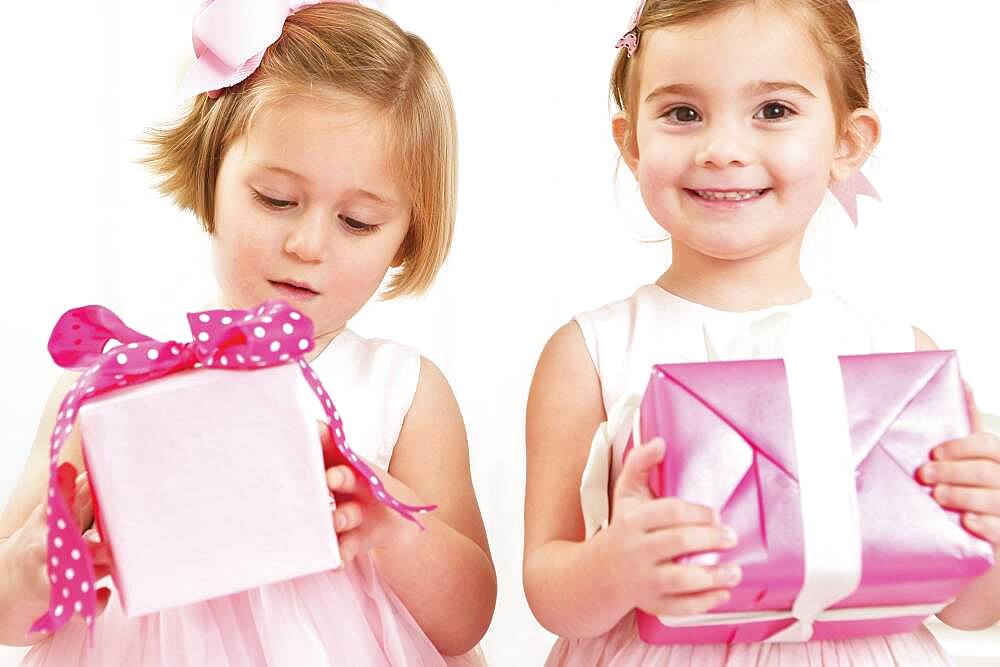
(653, 326)
(347, 616)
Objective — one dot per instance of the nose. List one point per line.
(307, 237)
(724, 144)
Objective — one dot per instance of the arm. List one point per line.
(968, 480)
(444, 574)
(563, 574)
(24, 585)
(582, 588)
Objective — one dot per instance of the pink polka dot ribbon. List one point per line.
(273, 334)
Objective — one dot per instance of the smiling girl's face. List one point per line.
(308, 209)
(735, 132)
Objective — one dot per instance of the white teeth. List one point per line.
(740, 195)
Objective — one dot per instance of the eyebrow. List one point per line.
(752, 89)
(357, 192)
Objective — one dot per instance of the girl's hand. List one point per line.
(646, 534)
(965, 474)
(29, 544)
(361, 521)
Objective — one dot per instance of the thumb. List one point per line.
(639, 464)
(975, 419)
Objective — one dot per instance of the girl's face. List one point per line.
(307, 210)
(735, 132)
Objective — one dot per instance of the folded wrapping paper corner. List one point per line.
(272, 335)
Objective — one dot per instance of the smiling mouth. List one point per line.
(727, 195)
(293, 290)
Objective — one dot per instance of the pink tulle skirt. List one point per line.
(622, 646)
(341, 617)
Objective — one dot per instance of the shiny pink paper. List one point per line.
(727, 426)
(208, 483)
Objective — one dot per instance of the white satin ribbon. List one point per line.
(594, 489)
(831, 525)
(852, 614)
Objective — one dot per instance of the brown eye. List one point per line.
(683, 115)
(774, 111)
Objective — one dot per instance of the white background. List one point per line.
(544, 231)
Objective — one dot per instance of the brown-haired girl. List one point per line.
(735, 117)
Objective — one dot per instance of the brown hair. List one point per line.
(344, 49)
(831, 23)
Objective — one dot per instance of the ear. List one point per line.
(859, 138)
(621, 129)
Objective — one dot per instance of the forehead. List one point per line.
(724, 53)
(323, 140)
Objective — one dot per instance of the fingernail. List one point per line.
(729, 537)
(730, 575)
(937, 453)
(929, 473)
(973, 519)
(334, 478)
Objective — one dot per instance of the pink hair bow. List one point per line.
(274, 334)
(848, 191)
(230, 37)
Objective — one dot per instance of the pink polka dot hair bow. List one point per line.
(230, 37)
(273, 334)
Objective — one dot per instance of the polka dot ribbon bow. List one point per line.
(230, 38)
(274, 334)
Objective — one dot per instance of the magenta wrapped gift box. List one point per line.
(208, 482)
(813, 463)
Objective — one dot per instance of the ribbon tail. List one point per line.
(848, 191)
(336, 430)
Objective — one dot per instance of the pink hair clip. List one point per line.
(630, 40)
(230, 37)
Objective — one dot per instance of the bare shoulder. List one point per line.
(923, 341)
(434, 408)
(566, 361)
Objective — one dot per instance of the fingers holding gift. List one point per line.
(666, 545)
(670, 512)
(683, 590)
(977, 500)
(986, 526)
(341, 479)
(983, 473)
(975, 446)
(347, 516)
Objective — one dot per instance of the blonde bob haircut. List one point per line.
(343, 49)
(831, 23)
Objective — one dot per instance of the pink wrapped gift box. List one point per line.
(209, 482)
(836, 537)
(206, 482)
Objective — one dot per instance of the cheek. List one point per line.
(801, 173)
(661, 167)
